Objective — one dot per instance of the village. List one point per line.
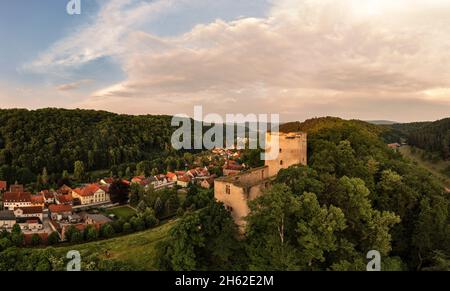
(57, 210)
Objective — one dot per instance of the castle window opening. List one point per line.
(228, 189)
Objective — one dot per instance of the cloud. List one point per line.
(355, 58)
(73, 85)
(103, 37)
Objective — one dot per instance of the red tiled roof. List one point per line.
(64, 190)
(109, 180)
(447, 190)
(184, 179)
(233, 167)
(88, 190)
(170, 175)
(137, 179)
(3, 185)
(125, 181)
(30, 210)
(65, 198)
(59, 208)
(17, 197)
(37, 199)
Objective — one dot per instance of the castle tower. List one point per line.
(292, 150)
(235, 191)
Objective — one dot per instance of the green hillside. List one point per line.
(137, 250)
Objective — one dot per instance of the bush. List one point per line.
(127, 227)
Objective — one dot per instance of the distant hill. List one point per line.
(56, 138)
(316, 124)
(382, 122)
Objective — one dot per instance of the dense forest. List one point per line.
(433, 137)
(54, 139)
(355, 195)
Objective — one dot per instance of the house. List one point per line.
(207, 183)
(96, 219)
(7, 219)
(184, 181)
(91, 194)
(12, 200)
(3, 185)
(60, 212)
(107, 181)
(180, 173)
(394, 146)
(137, 179)
(66, 199)
(231, 168)
(171, 177)
(49, 196)
(28, 212)
(30, 223)
(37, 200)
(64, 190)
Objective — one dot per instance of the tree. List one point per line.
(36, 240)
(137, 223)
(53, 238)
(17, 237)
(119, 192)
(44, 176)
(316, 230)
(269, 246)
(204, 240)
(90, 233)
(158, 206)
(76, 236)
(106, 231)
(78, 170)
(150, 218)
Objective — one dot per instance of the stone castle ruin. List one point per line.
(237, 190)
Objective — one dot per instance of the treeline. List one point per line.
(55, 138)
(433, 137)
(355, 195)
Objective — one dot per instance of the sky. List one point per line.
(363, 59)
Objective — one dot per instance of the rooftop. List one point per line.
(7, 215)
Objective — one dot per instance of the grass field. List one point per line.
(435, 168)
(138, 249)
(121, 212)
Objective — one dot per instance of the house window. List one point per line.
(228, 189)
(262, 174)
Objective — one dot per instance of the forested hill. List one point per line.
(355, 195)
(56, 138)
(430, 136)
